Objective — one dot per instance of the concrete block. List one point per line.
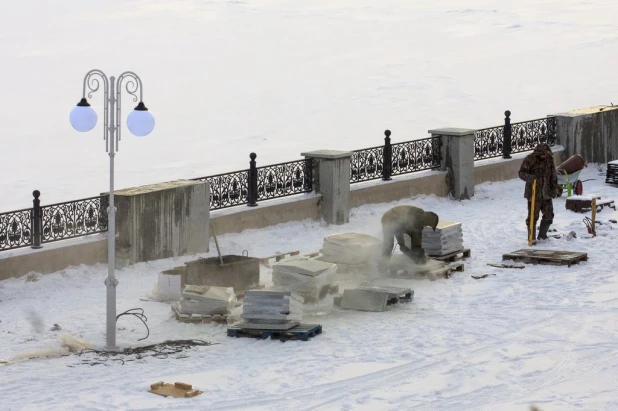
(252, 325)
(170, 283)
(237, 271)
(364, 300)
(331, 179)
(164, 220)
(590, 132)
(458, 159)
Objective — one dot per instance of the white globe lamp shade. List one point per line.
(140, 121)
(83, 117)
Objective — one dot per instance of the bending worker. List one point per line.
(409, 220)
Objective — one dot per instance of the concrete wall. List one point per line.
(590, 132)
(267, 213)
(402, 186)
(54, 256)
(163, 220)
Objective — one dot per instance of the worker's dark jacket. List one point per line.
(544, 171)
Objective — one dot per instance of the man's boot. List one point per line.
(543, 229)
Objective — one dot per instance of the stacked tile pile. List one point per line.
(204, 300)
(448, 238)
(350, 248)
(311, 279)
(272, 310)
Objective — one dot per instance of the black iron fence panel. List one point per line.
(527, 134)
(488, 142)
(416, 155)
(15, 229)
(366, 164)
(280, 180)
(74, 218)
(228, 190)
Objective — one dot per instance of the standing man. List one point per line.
(539, 166)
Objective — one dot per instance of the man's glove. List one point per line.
(528, 178)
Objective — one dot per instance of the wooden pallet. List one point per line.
(582, 205)
(444, 272)
(267, 261)
(301, 332)
(455, 256)
(546, 257)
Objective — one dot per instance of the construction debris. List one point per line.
(176, 390)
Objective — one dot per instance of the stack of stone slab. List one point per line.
(204, 300)
(373, 297)
(309, 278)
(350, 248)
(271, 310)
(447, 239)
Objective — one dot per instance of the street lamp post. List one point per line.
(140, 123)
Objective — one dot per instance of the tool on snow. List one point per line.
(532, 222)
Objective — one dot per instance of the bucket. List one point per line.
(572, 165)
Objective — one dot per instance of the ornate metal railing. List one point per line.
(16, 229)
(407, 157)
(366, 164)
(74, 218)
(527, 134)
(416, 155)
(227, 190)
(488, 142)
(523, 136)
(281, 180)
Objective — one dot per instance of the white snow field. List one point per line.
(224, 78)
(543, 335)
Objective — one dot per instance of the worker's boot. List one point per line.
(543, 229)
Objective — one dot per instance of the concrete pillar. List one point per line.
(331, 179)
(162, 220)
(590, 132)
(457, 160)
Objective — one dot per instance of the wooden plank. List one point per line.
(506, 265)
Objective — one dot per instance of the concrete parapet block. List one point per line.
(163, 220)
(590, 132)
(458, 160)
(364, 300)
(331, 179)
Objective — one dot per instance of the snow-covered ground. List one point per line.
(279, 77)
(543, 335)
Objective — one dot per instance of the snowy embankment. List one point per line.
(543, 335)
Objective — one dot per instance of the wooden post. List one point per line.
(594, 216)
